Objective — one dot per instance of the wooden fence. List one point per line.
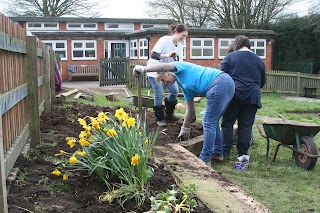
(27, 88)
(291, 83)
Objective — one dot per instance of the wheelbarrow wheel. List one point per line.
(308, 146)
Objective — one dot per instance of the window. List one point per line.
(184, 45)
(82, 26)
(145, 26)
(223, 46)
(201, 48)
(116, 26)
(42, 26)
(258, 46)
(84, 50)
(59, 47)
(143, 49)
(133, 49)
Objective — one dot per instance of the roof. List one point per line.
(90, 20)
(162, 31)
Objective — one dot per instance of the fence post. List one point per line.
(129, 73)
(298, 83)
(32, 78)
(3, 187)
(46, 79)
(52, 79)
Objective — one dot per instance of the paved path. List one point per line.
(93, 87)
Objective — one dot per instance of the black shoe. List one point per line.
(217, 158)
(172, 117)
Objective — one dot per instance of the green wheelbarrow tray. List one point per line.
(147, 101)
(297, 136)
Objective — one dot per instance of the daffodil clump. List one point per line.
(112, 145)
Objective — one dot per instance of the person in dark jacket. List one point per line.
(249, 74)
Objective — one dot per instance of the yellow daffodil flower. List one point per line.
(84, 142)
(131, 122)
(95, 124)
(146, 141)
(68, 138)
(135, 160)
(65, 177)
(111, 132)
(73, 160)
(121, 114)
(124, 123)
(83, 134)
(82, 122)
(87, 128)
(81, 153)
(71, 143)
(56, 172)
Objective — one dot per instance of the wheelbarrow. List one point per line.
(297, 136)
(147, 101)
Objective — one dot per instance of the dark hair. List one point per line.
(174, 27)
(242, 41)
(231, 47)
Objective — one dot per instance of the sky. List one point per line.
(137, 8)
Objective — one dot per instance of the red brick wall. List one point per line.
(216, 61)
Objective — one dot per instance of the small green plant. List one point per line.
(21, 177)
(112, 145)
(175, 200)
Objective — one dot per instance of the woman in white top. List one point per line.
(167, 49)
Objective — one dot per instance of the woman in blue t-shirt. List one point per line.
(195, 80)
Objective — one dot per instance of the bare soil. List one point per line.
(35, 189)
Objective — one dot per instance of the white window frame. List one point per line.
(83, 48)
(143, 48)
(43, 28)
(133, 49)
(184, 46)
(202, 47)
(254, 47)
(153, 25)
(123, 26)
(82, 27)
(229, 40)
(54, 47)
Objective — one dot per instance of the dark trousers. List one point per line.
(245, 114)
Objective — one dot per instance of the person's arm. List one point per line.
(263, 76)
(185, 129)
(158, 56)
(224, 65)
(161, 67)
(189, 114)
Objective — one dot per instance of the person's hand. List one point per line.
(184, 133)
(172, 54)
(138, 70)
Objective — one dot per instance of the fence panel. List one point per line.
(113, 72)
(290, 83)
(20, 59)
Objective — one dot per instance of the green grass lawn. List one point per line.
(281, 185)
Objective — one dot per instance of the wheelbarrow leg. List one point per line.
(276, 152)
(268, 147)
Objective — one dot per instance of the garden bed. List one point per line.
(35, 189)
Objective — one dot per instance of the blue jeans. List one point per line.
(158, 90)
(245, 114)
(219, 94)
